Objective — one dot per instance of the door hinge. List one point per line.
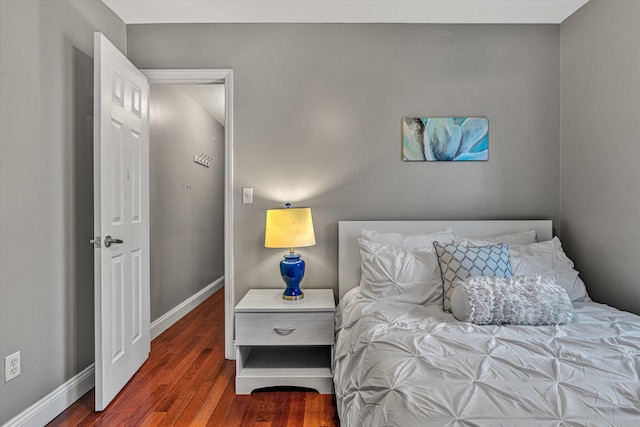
(95, 242)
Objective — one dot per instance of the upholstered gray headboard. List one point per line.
(349, 231)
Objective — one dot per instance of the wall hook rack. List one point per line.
(202, 160)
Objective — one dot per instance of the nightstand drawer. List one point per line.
(284, 328)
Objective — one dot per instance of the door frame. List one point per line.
(199, 77)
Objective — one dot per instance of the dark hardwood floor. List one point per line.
(188, 382)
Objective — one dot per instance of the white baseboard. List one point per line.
(165, 321)
(53, 404)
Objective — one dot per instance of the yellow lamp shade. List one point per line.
(289, 228)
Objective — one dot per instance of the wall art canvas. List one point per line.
(437, 139)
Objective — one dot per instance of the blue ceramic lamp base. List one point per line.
(292, 271)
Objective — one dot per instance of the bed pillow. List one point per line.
(519, 300)
(548, 259)
(399, 274)
(410, 241)
(520, 238)
(457, 262)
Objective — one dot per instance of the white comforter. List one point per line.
(399, 364)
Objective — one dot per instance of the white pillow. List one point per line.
(548, 259)
(400, 274)
(409, 241)
(520, 238)
(519, 300)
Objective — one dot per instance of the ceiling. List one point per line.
(210, 96)
(345, 11)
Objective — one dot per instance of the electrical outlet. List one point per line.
(11, 366)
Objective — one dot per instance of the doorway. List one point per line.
(186, 198)
(199, 160)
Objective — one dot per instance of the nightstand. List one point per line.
(285, 343)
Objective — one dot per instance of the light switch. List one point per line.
(247, 195)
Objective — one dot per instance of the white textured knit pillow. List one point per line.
(519, 300)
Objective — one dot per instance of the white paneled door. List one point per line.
(121, 203)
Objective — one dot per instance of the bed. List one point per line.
(401, 363)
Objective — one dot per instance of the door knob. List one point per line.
(108, 241)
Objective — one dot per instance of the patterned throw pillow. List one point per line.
(457, 262)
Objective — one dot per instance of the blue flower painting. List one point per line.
(445, 139)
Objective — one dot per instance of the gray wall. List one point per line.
(600, 180)
(46, 174)
(186, 199)
(317, 122)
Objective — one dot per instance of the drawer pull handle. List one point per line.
(287, 330)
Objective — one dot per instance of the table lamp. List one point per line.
(290, 228)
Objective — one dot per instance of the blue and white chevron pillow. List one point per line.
(458, 262)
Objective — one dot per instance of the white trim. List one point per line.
(53, 404)
(205, 76)
(345, 11)
(192, 77)
(229, 290)
(167, 320)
